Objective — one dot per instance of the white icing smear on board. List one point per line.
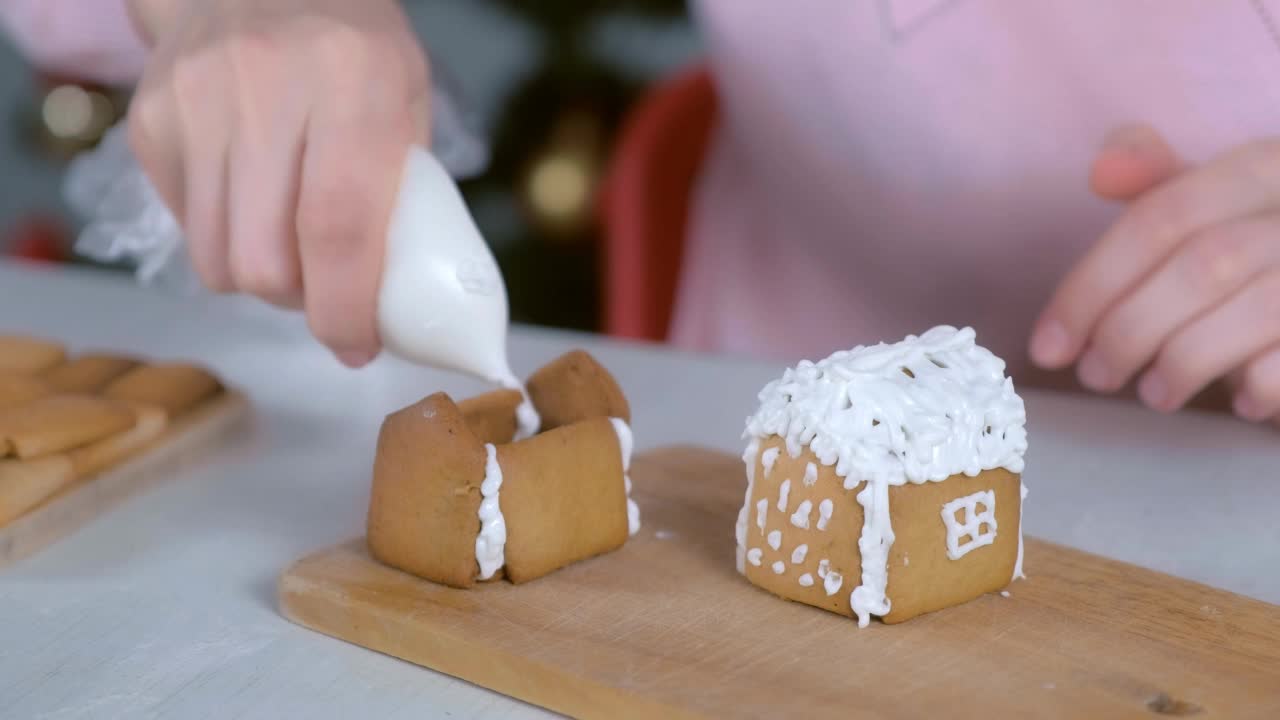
(919, 410)
(626, 444)
(491, 543)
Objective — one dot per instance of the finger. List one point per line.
(1212, 345)
(350, 176)
(154, 138)
(1133, 159)
(1240, 183)
(205, 137)
(1258, 396)
(1203, 272)
(266, 161)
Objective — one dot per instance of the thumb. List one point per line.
(1133, 159)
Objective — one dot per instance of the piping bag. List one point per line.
(442, 301)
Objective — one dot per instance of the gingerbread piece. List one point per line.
(17, 389)
(57, 423)
(884, 481)
(87, 373)
(29, 355)
(575, 387)
(562, 497)
(95, 457)
(24, 484)
(424, 508)
(492, 416)
(174, 387)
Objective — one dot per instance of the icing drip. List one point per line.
(767, 459)
(527, 421)
(626, 443)
(740, 529)
(784, 490)
(778, 567)
(1017, 566)
(762, 509)
(877, 537)
(775, 539)
(800, 518)
(492, 541)
(825, 508)
(797, 555)
(754, 555)
(810, 474)
(806, 580)
(920, 410)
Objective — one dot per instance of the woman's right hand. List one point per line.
(276, 132)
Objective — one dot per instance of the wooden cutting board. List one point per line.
(78, 504)
(666, 628)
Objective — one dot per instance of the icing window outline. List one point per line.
(969, 527)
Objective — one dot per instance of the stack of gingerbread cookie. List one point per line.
(65, 418)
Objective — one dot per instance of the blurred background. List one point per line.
(549, 84)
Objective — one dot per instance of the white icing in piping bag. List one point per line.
(443, 302)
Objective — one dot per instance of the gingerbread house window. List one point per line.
(971, 523)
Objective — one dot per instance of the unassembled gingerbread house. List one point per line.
(461, 495)
(885, 481)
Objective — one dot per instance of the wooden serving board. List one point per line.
(78, 504)
(666, 628)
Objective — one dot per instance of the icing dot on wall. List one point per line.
(832, 582)
(775, 539)
(906, 559)
(797, 555)
(800, 518)
(784, 491)
(768, 458)
(824, 565)
(810, 474)
(806, 580)
(779, 567)
(762, 508)
(753, 556)
(825, 508)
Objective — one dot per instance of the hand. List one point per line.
(1184, 288)
(277, 132)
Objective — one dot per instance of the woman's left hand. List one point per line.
(1184, 288)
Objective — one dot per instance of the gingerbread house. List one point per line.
(460, 496)
(885, 481)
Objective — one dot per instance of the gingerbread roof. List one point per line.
(922, 409)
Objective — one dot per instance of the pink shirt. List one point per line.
(886, 166)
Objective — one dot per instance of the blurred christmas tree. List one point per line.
(550, 147)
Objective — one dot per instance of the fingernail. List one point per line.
(1245, 407)
(1154, 391)
(354, 358)
(1094, 373)
(1050, 344)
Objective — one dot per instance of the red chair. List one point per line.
(645, 203)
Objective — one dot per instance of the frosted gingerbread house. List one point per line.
(885, 481)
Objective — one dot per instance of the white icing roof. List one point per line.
(955, 412)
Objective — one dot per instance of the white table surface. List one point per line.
(165, 606)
